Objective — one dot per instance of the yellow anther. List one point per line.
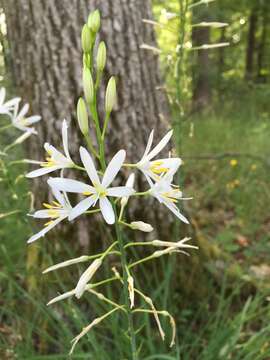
(48, 206)
(87, 193)
(48, 223)
(56, 204)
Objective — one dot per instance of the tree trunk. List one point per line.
(201, 79)
(251, 44)
(262, 58)
(44, 38)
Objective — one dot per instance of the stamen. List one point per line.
(48, 223)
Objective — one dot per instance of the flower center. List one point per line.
(157, 168)
(53, 211)
(49, 160)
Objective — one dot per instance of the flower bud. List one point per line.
(82, 116)
(86, 277)
(101, 56)
(94, 21)
(86, 39)
(88, 86)
(86, 60)
(110, 98)
(142, 226)
(130, 281)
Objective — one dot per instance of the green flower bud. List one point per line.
(86, 60)
(82, 116)
(86, 39)
(101, 56)
(110, 98)
(94, 21)
(88, 85)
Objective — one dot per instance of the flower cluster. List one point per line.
(18, 117)
(99, 195)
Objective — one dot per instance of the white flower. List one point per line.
(8, 107)
(168, 194)
(55, 160)
(142, 226)
(57, 211)
(23, 123)
(86, 277)
(100, 189)
(156, 168)
(130, 184)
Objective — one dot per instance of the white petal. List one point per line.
(107, 210)
(45, 230)
(113, 168)
(2, 95)
(130, 180)
(89, 165)
(33, 119)
(41, 214)
(56, 154)
(86, 277)
(174, 209)
(82, 207)
(70, 185)
(120, 191)
(149, 144)
(42, 171)
(58, 196)
(62, 297)
(65, 138)
(23, 111)
(12, 102)
(163, 142)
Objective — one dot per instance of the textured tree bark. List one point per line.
(44, 38)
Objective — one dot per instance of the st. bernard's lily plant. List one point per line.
(98, 194)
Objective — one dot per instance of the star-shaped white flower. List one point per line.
(168, 194)
(8, 107)
(23, 123)
(156, 168)
(56, 212)
(55, 160)
(100, 189)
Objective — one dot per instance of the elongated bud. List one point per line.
(86, 60)
(131, 290)
(82, 116)
(142, 226)
(94, 21)
(86, 39)
(101, 56)
(88, 85)
(66, 263)
(110, 99)
(86, 277)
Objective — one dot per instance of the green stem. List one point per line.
(90, 145)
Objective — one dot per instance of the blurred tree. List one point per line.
(251, 42)
(44, 38)
(201, 73)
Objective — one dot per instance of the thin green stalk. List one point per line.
(118, 231)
